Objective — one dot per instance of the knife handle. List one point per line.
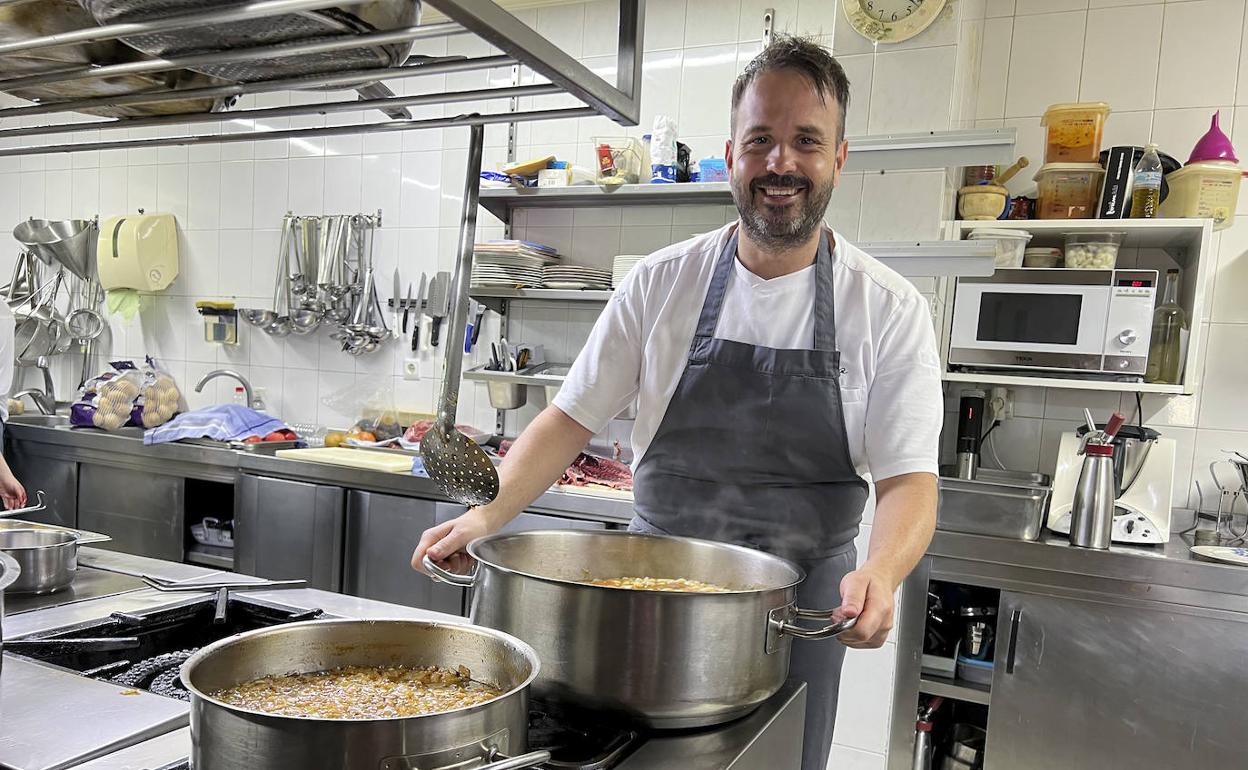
(476, 330)
(437, 329)
(416, 336)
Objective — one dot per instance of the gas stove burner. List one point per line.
(579, 744)
(158, 675)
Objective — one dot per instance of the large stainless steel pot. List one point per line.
(227, 737)
(10, 571)
(48, 558)
(669, 660)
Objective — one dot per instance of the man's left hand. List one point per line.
(868, 596)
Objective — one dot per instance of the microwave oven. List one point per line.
(1094, 322)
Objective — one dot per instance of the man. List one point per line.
(773, 364)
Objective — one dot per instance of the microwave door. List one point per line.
(1058, 327)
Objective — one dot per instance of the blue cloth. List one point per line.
(227, 422)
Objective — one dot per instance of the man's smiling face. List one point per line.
(784, 158)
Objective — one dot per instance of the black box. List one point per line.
(1116, 192)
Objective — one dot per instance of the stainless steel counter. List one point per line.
(126, 449)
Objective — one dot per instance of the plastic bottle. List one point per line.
(1169, 338)
(240, 396)
(1146, 187)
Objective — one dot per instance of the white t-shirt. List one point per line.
(7, 332)
(890, 385)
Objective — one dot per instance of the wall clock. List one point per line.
(891, 21)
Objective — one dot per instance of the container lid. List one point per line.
(1102, 450)
(1214, 145)
(992, 232)
(1053, 109)
(1069, 167)
(1223, 166)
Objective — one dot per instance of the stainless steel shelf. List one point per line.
(500, 201)
(537, 376)
(207, 556)
(496, 299)
(957, 689)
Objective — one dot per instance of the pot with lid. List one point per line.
(667, 659)
(488, 736)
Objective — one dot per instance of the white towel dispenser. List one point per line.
(138, 251)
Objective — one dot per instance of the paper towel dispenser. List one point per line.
(138, 251)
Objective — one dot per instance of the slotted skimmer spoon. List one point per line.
(460, 468)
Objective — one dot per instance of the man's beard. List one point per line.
(787, 228)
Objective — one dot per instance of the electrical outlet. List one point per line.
(1001, 404)
(411, 369)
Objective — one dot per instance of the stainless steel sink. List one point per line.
(987, 506)
(40, 420)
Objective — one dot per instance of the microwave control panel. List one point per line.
(1129, 324)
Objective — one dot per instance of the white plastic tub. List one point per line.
(1207, 189)
(1010, 244)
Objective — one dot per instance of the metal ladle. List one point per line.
(461, 469)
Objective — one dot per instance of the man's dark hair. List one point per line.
(802, 55)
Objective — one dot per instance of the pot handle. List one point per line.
(465, 581)
(532, 759)
(785, 627)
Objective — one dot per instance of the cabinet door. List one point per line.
(141, 511)
(1079, 684)
(382, 532)
(287, 530)
(38, 468)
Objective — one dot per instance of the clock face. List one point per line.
(890, 10)
(891, 21)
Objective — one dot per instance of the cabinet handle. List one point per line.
(1015, 616)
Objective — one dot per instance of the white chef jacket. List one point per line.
(6, 358)
(890, 369)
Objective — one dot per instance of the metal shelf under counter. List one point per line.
(957, 689)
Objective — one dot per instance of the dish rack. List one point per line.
(214, 532)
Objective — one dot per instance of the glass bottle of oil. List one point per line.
(1169, 339)
(1146, 185)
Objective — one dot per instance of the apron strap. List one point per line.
(825, 296)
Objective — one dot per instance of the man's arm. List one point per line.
(905, 517)
(540, 455)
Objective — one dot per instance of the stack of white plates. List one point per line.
(515, 264)
(575, 277)
(621, 266)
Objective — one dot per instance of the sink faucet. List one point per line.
(43, 402)
(215, 373)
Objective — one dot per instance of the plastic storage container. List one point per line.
(1207, 189)
(1068, 190)
(1010, 244)
(1073, 132)
(1093, 251)
(1042, 256)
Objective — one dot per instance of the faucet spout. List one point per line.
(42, 401)
(215, 373)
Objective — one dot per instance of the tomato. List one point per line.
(276, 435)
(364, 436)
(251, 440)
(290, 435)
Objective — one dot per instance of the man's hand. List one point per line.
(445, 543)
(11, 491)
(868, 596)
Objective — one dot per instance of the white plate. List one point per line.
(1222, 553)
(573, 285)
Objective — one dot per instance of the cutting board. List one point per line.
(352, 458)
(595, 490)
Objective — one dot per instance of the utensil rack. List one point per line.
(520, 46)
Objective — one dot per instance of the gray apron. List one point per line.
(753, 450)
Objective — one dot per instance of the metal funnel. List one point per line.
(71, 242)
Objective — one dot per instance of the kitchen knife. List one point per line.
(421, 294)
(476, 326)
(398, 299)
(407, 307)
(439, 304)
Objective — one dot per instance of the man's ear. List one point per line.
(728, 153)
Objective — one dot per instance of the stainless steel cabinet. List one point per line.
(289, 529)
(382, 532)
(143, 512)
(39, 467)
(1082, 684)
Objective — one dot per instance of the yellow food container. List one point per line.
(1207, 189)
(1074, 131)
(1068, 190)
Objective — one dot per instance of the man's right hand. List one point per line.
(446, 542)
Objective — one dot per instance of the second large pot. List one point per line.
(226, 737)
(48, 558)
(668, 660)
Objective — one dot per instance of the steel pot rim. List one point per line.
(64, 539)
(229, 641)
(474, 547)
